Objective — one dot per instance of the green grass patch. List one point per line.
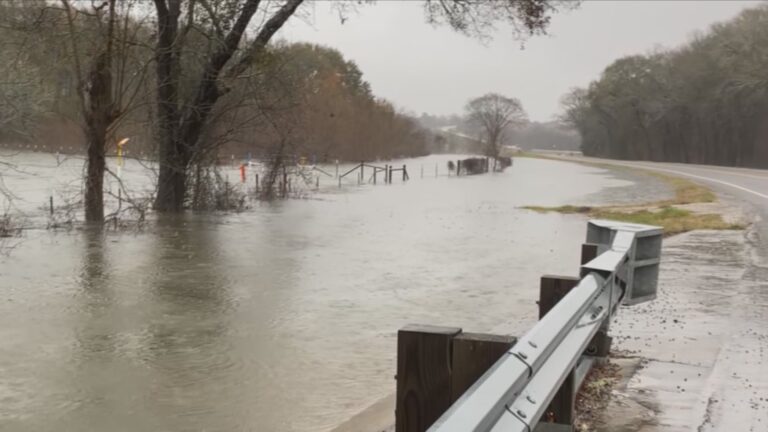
(673, 220)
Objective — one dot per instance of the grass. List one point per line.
(659, 213)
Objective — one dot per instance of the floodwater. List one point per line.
(280, 318)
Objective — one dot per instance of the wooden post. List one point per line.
(405, 174)
(50, 204)
(600, 345)
(458, 167)
(390, 173)
(362, 170)
(588, 252)
(423, 376)
(551, 291)
(317, 183)
(375, 170)
(473, 355)
(285, 182)
(256, 177)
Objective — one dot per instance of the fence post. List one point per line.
(423, 376)
(362, 170)
(375, 170)
(256, 177)
(390, 173)
(50, 204)
(561, 410)
(405, 174)
(458, 167)
(226, 193)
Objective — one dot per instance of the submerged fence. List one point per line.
(450, 381)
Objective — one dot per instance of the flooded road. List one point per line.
(283, 317)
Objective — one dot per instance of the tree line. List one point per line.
(704, 102)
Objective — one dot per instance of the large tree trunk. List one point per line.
(98, 117)
(94, 180)
(171, 181)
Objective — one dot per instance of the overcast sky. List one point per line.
(435, 70)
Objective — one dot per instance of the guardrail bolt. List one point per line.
(530, 399)
(521, 413)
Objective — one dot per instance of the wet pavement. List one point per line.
(280, 318)
(704, 340)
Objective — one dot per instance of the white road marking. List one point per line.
(735, 186)
(731, 172)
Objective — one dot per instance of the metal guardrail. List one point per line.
(515, 392)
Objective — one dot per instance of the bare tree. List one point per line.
(99, 41)
(182, 116)
(493, 114)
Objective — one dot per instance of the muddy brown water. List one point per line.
(280, 318)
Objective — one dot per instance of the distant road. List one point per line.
(746, 184)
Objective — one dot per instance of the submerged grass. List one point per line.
(661, 213)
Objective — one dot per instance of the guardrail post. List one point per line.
(560, 413)
(600, 345)
(423, 375)
(435, 366)
(473, 355)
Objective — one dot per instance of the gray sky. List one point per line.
(421, 68)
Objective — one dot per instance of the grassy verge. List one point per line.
(661, 213)
(674, 220)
